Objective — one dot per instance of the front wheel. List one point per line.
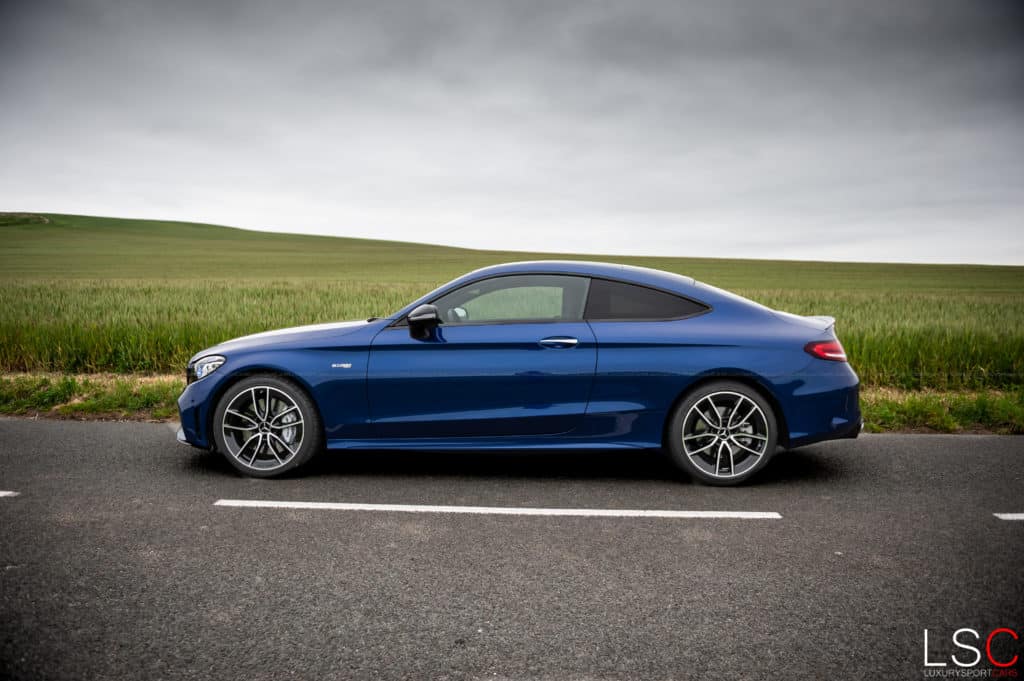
(722, 433)
(266, 425)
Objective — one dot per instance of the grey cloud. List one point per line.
(837, 130)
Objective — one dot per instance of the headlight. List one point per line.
(205, 366)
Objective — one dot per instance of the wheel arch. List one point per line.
(751, 380)
(248, 372)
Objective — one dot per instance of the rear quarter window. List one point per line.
(616, 300)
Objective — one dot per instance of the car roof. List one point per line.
(640, 275)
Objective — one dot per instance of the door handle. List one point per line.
(559, 342)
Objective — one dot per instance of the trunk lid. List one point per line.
(815, 322)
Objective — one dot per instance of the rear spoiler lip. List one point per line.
(824, 319)
(816, 322)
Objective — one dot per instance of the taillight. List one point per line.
(831, 350)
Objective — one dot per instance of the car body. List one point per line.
(535, 355)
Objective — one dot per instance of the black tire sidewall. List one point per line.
(312, 440)
(674, 447)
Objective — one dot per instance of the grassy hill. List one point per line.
(92, 294)
(47, 246)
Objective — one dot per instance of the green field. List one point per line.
(86, 294)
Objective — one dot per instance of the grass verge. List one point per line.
(987, 411)
(153, 398)
(92, 396)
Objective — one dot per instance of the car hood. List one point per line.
(280, 336)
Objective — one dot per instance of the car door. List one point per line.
(513, 356)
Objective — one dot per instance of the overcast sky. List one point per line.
(805, 129)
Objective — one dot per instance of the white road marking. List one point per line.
(1009, 516)
(498, 510)
(4, 493)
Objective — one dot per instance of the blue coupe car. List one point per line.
(534, 355)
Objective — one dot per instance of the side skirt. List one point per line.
(483, 444)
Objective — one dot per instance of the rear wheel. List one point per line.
(266, 425)
(723, 433)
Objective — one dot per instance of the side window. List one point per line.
(527, 297)
(616, 300)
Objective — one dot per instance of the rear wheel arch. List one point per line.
(754, 382)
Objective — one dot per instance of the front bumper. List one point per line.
(194, 406)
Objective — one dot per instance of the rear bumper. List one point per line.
(850, 432)
(824, 407)
(844, 430)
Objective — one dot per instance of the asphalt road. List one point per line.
(115, 563)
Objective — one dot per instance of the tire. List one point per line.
(722, 433)
(266, 425)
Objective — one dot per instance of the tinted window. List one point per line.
(616, 300)
(530, 297)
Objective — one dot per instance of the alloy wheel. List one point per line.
(725, 434)
(262, 428)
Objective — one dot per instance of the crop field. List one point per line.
(86, 295)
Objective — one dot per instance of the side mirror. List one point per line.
(423, 320)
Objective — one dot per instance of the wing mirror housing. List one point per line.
(423, 321)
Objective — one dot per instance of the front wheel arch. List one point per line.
(248, 372)
(277, 414)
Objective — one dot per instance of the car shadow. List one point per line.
(589, 464)
(786, 468)
(810, 464)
